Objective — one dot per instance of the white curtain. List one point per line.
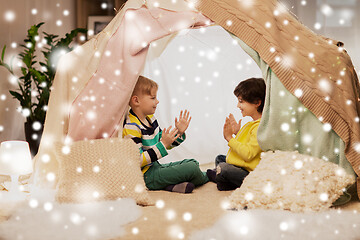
(198, 71)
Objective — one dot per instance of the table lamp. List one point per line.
(15, 160)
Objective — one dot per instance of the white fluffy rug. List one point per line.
(277, 224)
(43, 219)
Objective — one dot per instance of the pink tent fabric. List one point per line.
(99, 108)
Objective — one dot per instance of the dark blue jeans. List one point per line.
(228, 176)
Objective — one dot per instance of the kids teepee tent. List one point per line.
(308, 76)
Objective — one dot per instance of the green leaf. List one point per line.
(27, 60)
(16, 95)
(7, 67)
(39, 76)
(33, 30)
(24, 71)
(3, 53)
(70, 36)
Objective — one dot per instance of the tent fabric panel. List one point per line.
(306, 133)
(73, 72)
(285, 44)
(87, 62)
(115, 78)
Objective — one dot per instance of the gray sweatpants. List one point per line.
(228, 175)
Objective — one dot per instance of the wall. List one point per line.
(339, 20)
(48, 11)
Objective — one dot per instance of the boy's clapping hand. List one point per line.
(183, 123)
(234, 125)
(169, 136)
(228, 132)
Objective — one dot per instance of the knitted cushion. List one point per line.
(291, 181)
(102, 169)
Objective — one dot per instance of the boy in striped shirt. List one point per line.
(142, 127)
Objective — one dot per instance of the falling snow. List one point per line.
(209, 60)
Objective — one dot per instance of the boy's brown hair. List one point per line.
(144, 86)
(252, 90)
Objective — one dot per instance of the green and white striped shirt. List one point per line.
(147, 139)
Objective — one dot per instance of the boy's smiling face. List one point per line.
(246, 108)
(148, 103)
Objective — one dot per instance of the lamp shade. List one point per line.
(15, 158)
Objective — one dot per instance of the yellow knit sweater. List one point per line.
(244, 148)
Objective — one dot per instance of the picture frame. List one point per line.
(96, 24)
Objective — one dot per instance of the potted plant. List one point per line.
(37, 77)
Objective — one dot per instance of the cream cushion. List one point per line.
(98, 170)
(291, 181)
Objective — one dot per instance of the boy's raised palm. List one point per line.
(168, 136)
(227, 131)
(183, 123)
(234, 125)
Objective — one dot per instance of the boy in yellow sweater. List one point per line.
(244, 151)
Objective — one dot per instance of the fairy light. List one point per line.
(170, 214)
(65, 150)
(50, 176)
(96, 169)
(33, 203)
(285, 127)
(249, 196)
(10, 16)
(45, 158)
(48, 206)
(284, 226)
(160, 204)
(317, 26)
(298, 92)
(104, 5)
(327, 127)
(324, 197)
(298, 164)
(187, 216)
(135, 230)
